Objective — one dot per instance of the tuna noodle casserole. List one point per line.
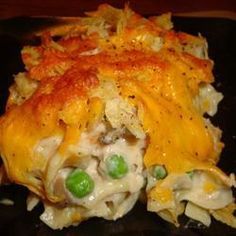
(111, 107)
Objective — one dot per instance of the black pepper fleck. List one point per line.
(131, 96)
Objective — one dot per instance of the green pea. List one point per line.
(159, 172)
(79, 183)
(190, 174)
(116, 166)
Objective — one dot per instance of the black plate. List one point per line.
(221, 35)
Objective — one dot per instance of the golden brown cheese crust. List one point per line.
(161, 84)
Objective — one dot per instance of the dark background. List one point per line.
(10, 8)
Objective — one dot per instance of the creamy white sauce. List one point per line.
(207, 100)
(111, 198)
(48, 146)
(215, 197)
(202, 189)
